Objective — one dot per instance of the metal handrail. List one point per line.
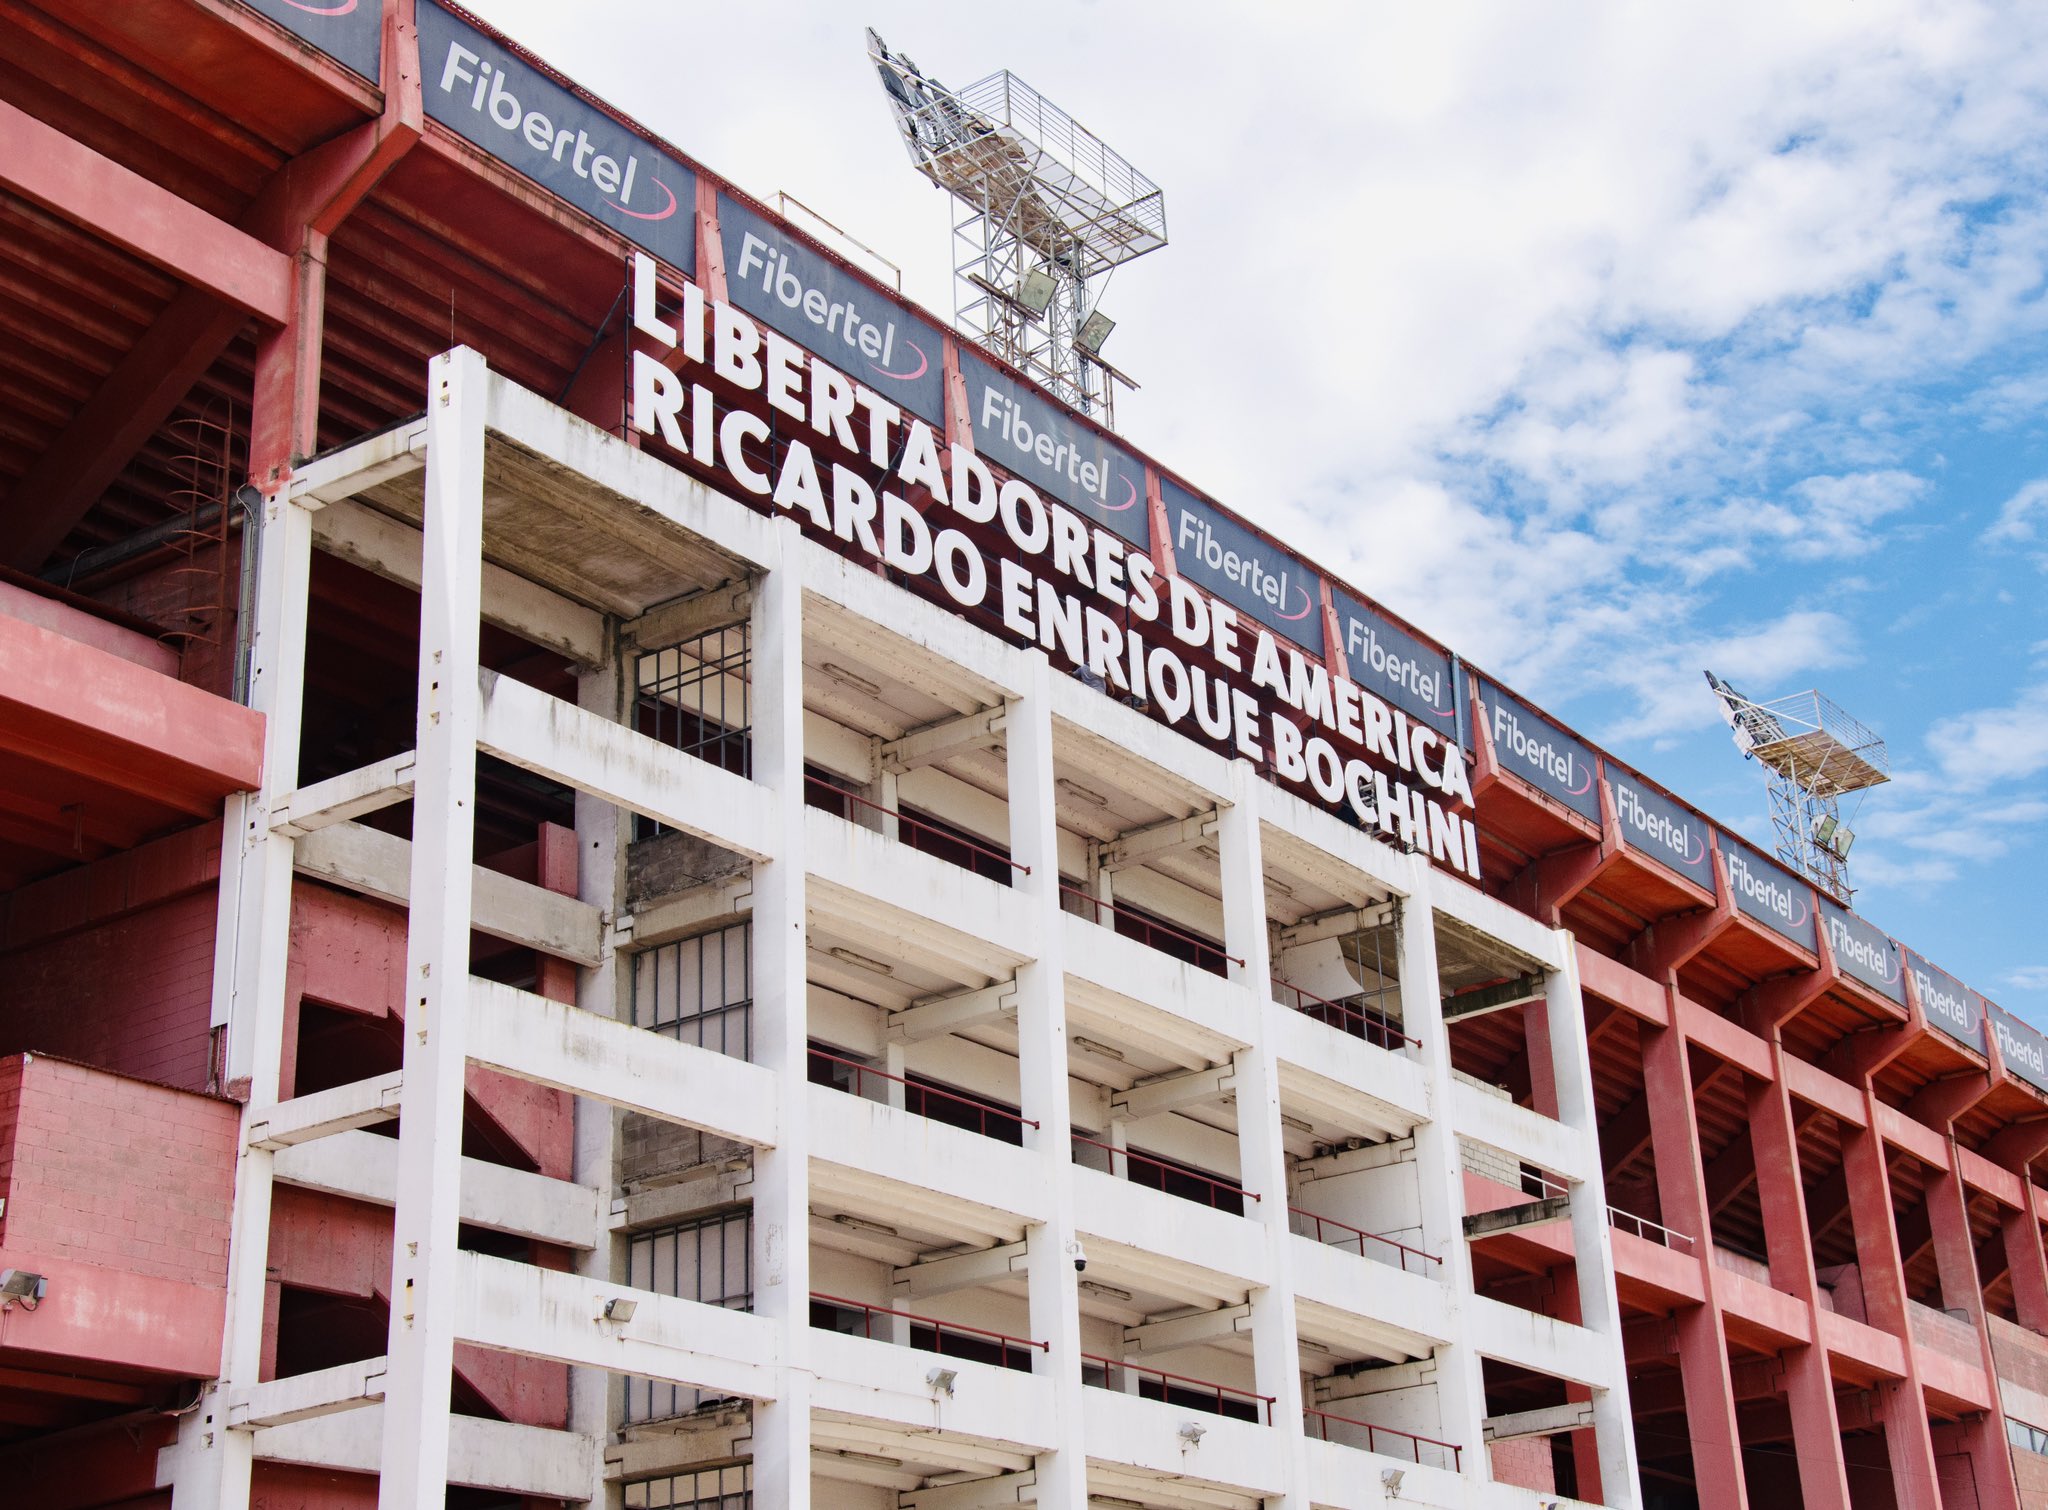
(1379, 1020)
(984, 1108)
(1416, 1442)
(939, 1328)
(1149, 924)
(1616, 1216)
(1211, 1181)
(1362, 1235)
(917, 823)
(1220, 1390)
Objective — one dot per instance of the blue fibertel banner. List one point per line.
(1531, 747)
(1031, 437)
(1258, 579)
(490, 97)
(1387, 660)
(1652, 824)
(349, 31)
(1947, 1002)
(783, 282)
(2024, 1049)
(1864, 953)
(1766, 891)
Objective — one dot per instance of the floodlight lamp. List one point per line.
(22, 1285)
(942, 1380)
(1824, 828)
(1094, 331)
(620, 1309)
(1843, 839)
(1192, 1433)
(1036, 291)
(1390, 1480)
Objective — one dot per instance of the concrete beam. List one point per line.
(541, 733)
(960, 1271)
(982, 730)
(684, 619)
(1188, 1331)
(1333, 925)
(1528, 1214)
(301, 1397)
(1170, 1093)
(1550, 1421)
(975, 1494)
(364, 1167)
(497, 1455)
(302, 1119)
(366, 789)
(949, 1014)
(378, 864)
(1143, 845)
(1497, 998)
(552, 1043)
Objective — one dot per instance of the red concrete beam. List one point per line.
(68, 178)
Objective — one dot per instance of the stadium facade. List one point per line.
(634, 876)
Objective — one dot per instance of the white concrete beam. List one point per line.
(545, 734)
(1334, 925)
(378, 543)
(1549, 1421)
(397, 452)
(1188, 1331)
(935, 742)
(960, 1271)
(683, 619)
(360, 1103)
(349, 795)
(950, 1014)
(543, 1313)
(532, 1460)
(364, 1167)
(975, 1494)
(1171, 1093)
(301, 1397)
(378, 864)
(551, 1043)
(1143, 845)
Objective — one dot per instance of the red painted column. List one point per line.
(2025, 1257)
(1702, 1339)
(1955, 1253)
(1809, 1381)
(1902, 1406)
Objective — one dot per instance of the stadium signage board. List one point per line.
(1947, 1003)
(1652, 824)
(2022, 1047)
(1863, 952)
(1253, 576)
(349, 31)
(1770, 894)
(1398, 667)
(1049, 575)
(1530, 747)
(496, 100)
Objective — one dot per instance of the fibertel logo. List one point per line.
(1197, 538)
(762, 262)
(1780, 896)
(491, 98)
(1556, 762)
(344, 8)
(1882, 962)
(1674, 834)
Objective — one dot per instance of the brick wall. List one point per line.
(654, 1152)
(668, 863)
(1524, 1462)
(104, 1170)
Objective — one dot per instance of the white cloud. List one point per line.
(2027, 978)
(1989, 746)
(2020, 515)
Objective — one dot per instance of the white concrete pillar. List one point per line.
(1461, 1387)
(781, 1183)
(210, 1466)
(1599, 1307)
(425, 1263)
(1050, 1280)
(1262, 1156)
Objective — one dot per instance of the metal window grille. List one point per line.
(699, 990)
(707, 1259)
(697, 697)
(727, 1488)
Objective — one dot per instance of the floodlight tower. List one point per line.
(1816, 755)
(1044, 212)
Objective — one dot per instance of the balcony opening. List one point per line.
(920, 1095)
(1343, 969)
(1184, 1390)
(928, 1334)
(1386, 1408)
(707, 1259)
(1175, 1177)
(728, 1487)
(699, 990)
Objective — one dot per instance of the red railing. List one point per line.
(1319, 1422)
(983, 1109)
(1111, 1366)
(1643, 1227)
(1348, 1235)
(950, 835)
(1150, 926)
(1175, 1170)
(1375, 1027)
(940, 1329)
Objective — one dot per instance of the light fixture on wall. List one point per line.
(942, 1380)
(1390, 1480)
(1192, 1432)
(24, 1286)
(620, 1310)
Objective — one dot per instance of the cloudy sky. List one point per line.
(1605, 342)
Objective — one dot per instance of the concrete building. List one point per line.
(616, 892)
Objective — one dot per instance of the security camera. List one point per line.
(1078, 1254)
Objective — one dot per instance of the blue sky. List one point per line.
(1606, 343)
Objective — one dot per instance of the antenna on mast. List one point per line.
(1044, 213)
(1816, 755)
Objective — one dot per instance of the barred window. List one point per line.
(695, 697)
(2026, 1438)
(699, 990)
(707, 1259)
(727, 1488)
